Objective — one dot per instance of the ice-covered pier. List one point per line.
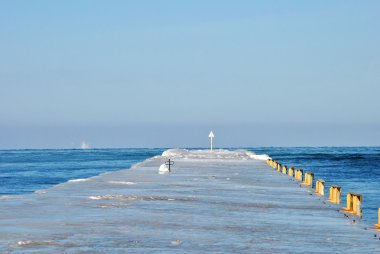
(211, 202)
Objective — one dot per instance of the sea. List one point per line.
(355, 169)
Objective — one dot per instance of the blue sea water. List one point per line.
(24, 171)
(354, 169)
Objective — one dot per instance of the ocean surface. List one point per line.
(354, 169)
(25, 171)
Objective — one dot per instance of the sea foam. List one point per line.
(78, 180)
(121, 182)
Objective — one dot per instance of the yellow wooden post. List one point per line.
(349, 203)
(296, 174)
(299, 174)
(357, 201)
(334, 194)
(320, 187)
(278, 167)
(331, 193)
(305, 178)
(354, 202)
(308, 180)
(317, 187)
(378, 219)
(338, 192)
(284, 170)
(290, 171)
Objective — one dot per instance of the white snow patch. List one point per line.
(163, 169)
(176, 242)
(219, 154)
(121, 182)
(77, 180)
(42, 191)
(24, 242)
(95, 197)
(113, 196)
(36, 243)
(262, 157)
(7, 197)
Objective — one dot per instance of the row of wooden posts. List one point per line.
(353, 200)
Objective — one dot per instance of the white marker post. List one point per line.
(211, 136)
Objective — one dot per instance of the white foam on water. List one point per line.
(7, 197)
(78, 180)
(121, 182)
(26, 243)
(262, 157)
(42, 191)
(95, 197)
(138, 198)
(112, 196)
(176, 242)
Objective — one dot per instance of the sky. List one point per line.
(164, 73)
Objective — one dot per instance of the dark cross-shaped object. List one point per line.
(169, 163)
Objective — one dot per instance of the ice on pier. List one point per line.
(215, 202)
(121, 182)
(78, 180)
(163, 169)
(7, 196)
(219, 154)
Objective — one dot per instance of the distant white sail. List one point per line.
(84, 145)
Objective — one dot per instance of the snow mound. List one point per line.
(215, 154)
(163, 169)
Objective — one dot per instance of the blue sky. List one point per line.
(163, 73)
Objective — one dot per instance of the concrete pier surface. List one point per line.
(211, 202)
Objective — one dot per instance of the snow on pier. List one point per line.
(212, 201)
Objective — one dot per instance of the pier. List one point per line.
(211, 201)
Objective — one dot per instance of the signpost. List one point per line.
(169, 163)
(211, 136)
